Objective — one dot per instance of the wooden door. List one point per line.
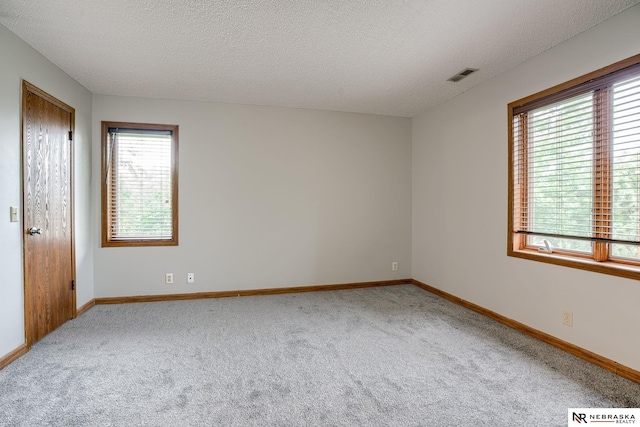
(49, 267)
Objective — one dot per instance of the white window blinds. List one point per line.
(140, 184)
(625, 197)
(577, 164)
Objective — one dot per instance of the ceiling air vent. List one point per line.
(462, 74)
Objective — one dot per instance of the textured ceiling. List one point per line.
(389, 57)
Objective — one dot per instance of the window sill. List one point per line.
(606, 267)
(135, 243)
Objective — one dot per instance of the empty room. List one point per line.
(407, 213)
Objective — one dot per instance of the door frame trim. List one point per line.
(26, 89)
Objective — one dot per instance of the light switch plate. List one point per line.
(13, 213)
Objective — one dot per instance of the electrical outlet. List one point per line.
(191, 278)
(168, 278)
(567, 318)
(394, 266)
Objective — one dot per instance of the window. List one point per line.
(139, 184)
(574, 173)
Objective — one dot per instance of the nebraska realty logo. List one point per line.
(578, 416)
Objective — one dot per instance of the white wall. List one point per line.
(20, 61)
(460, 205)
(269, 197)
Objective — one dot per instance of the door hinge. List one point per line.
(70, 135)
(73, 285)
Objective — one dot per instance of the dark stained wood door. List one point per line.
(49, 266)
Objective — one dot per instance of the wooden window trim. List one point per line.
(600, 262)
(602, 169)
(105, 204)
